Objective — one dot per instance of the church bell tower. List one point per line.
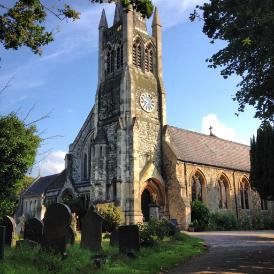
(129, 114)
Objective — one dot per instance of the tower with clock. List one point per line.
(129, 116)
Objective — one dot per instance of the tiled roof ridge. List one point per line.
(198, 133)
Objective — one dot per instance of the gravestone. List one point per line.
(173, 226)
(129, 239)
(2, 241)
(71, 236)
(33, 230)
(9, 223)
(56, 227)
(114, 238)
(91, 237)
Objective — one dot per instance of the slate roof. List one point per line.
(40, 185)
(58, 182)
(199, 148)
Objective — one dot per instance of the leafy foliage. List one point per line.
(24, 23)
(18, 147)
(222, 221)
(199, 215)
(112, 215)
(262, 161)
(154, 231)
(247, 27)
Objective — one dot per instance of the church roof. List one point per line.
(39, 186)
(58, 182)
(204, 149)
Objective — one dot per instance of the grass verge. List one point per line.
(162, 256)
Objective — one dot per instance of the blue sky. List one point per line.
(63, 81)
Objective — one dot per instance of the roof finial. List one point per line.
(103, 21)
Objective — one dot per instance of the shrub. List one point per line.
(154, 231)
(199, 215)
(222, 221)
(112, 215)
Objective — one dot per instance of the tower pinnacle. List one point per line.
(103, 21)
(156, 19)
(118, 13)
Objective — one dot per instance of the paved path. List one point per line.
(233, 252)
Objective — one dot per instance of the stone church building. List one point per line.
(127, 154)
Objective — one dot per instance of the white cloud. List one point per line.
(220, 129)
(175, 11)
(53, 163)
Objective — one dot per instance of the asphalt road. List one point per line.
(233, 252)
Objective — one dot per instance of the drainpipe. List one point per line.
(236, 201)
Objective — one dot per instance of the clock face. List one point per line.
(146, 102)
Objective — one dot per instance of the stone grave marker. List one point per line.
(33, 230)
(129, 239)
(91, 237)
(71, 236)
(114, 238)
(2, 241)
(9, 223)
(57, 222)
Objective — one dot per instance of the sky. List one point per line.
(62, 82)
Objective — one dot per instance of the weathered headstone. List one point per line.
(2, 241)
(91, 237)
(129, 239)
(33, 230)
(9, 223)
(114, 238)
(71, 236)
(173, 226)
(56, 227)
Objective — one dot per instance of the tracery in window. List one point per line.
(119, 56)
(198, 187)
(244, 193)
(112, 61)
(149, 58)
(223, 190)
(137, 53)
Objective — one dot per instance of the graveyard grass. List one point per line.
(162, 256)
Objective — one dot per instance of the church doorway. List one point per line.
(145, 202)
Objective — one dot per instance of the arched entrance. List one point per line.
(152, 200)
(145, 201)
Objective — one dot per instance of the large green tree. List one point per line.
(247, 27)
(18, 146)
(24, 23)
(262, 161)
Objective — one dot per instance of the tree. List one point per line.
(18, 146)
(262, 161)
(247, 26)
(23, 24)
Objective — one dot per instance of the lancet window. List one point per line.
(149, 58)
(119, 56)
(244, 192)
(223, 190)
(198, 187)
(137, 54)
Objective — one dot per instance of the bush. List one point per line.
(222, 221)
(199, 215)
(154, 231)
(112, 215)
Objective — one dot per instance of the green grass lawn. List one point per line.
(162, 256)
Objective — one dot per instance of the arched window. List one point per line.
(108, 62)
(112, 61)
(198, 187)
(85, 166)
(137, 54)
(119, 56)
(264, 204)
(244, 192)
(149, 58)
(223, 190)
